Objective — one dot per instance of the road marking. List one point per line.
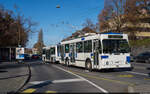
(50, 91)
(128, 76)
(39, 82)
(139, 67)
(31, 90)
(98, 87)
(137, 73)
(106, 79)
(67, 80)
(56, 81)
(146, 78)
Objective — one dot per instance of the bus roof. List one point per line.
(96, 36)
(111, 33)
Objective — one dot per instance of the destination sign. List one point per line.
(115, 36)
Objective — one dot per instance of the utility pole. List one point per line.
(19, 45)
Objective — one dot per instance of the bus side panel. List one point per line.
(80, 61)
(88, 56)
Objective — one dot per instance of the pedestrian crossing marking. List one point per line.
(101, 78)
(126, 76)
(50, 91)
(57, 81)
(31, 90)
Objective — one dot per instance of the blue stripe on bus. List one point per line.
(111, 33)
(82, 38)
(69, 54)
(128, 59)
(76, 55)
(64, 54)
(105, 56)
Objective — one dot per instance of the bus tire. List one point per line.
(88, 65)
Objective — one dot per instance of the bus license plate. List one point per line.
(117, 66)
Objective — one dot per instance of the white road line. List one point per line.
(138, 73)
(56, 81)
(98, 87)
(37, 82)
(67, 80)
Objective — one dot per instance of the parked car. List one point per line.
(35, 56)
(142, 57)
(26, 57)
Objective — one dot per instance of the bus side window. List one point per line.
(79, 47)
(67, 48)
(88, 46)
(85, 46)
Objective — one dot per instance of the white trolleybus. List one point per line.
(97, 51)
(51, 53)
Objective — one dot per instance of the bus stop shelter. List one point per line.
(7, 53)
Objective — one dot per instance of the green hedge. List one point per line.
(140, 42)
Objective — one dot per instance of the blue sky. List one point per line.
(57, 23)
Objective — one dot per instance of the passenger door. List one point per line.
(72, 53)
(96, 53)
(62, 53)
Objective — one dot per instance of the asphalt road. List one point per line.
(57, 78)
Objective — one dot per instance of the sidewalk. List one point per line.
(12, 76)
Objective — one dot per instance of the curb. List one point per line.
(25, 82)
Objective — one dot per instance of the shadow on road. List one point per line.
(2, 71)
(17, 65)
(40, 85)
(13, 76)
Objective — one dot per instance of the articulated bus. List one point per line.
(98, 51)
(51, 53)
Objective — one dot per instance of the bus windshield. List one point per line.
(52, 50)
(44, 51)
(115, 46)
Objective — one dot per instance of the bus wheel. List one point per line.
(89, 65)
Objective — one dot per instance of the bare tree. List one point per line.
(40, 44)
(14, 29)
(89, 24)
(124, 16)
